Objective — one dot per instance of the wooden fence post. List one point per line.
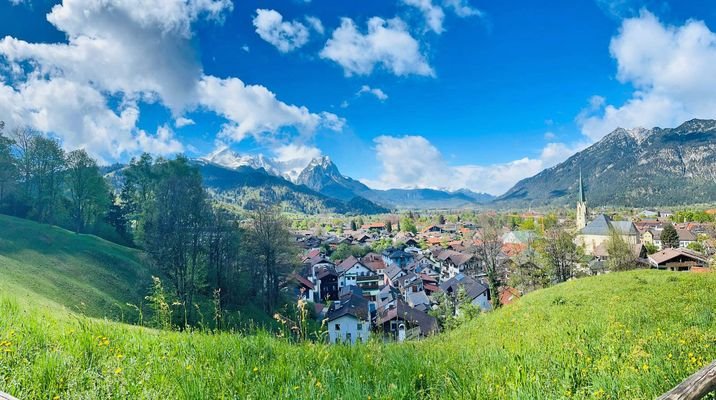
(696, 386)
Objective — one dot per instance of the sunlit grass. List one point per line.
(628, 335)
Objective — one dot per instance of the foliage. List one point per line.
(669, 237)
(560, 254)
(651, 248)
(344, 251)
(620, 254)
(408, 225)
(489, 251)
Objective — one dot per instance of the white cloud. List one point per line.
(550, 136)
(378, 93)
(254, 110)
(672, 70)
(433, 14)
(284, 35)
(387, 43)
(462, 8)
(293, 158)
(183, 121)
(412, 161)
(316, 24)
(124, 53)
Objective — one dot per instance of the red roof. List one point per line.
(431, 288)
(303, 281)
(508, 295)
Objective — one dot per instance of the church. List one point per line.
(593, 236)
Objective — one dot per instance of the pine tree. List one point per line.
(669, 237)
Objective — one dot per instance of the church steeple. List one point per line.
(581, 205)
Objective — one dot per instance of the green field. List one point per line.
(627, 335)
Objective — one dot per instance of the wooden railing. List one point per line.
(5, 396)
(695, 387)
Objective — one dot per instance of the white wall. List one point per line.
(348, 325)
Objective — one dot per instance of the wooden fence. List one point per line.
(695, 387)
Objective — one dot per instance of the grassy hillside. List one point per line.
(52, 266)
(627, 335)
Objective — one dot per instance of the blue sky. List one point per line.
(438, 93)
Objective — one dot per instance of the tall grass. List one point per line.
(628, 335)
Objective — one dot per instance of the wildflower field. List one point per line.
(630, 335)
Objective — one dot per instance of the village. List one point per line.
(371, 280)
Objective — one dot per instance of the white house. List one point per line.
(349, 271)
(349, 320)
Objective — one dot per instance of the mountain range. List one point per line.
(322, 176)
(630, 167)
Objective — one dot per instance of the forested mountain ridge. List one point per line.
(631, 167)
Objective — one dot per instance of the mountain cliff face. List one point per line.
(631, 167)
(248, 188)
(323, 176)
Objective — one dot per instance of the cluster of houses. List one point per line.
(594, 238)
(392, 293)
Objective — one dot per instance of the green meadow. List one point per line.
(630, 335)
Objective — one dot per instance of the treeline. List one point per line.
(40, 181)
(202, 248)
(160, 206)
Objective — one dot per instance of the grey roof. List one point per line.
(602, 226)
(353, 305)
(416, 298)
(472, 287)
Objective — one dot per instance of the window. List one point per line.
(348, 337)
(338, 327)
(360, 327)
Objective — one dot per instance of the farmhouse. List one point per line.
(677, 260)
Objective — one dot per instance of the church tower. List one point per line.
(581, 206)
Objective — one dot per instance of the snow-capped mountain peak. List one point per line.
(224, 156)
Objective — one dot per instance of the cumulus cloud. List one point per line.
(284, 35)
(433, 14)
(412, 161)
(294, 157)
(378, 93)
(183, 121)
(387, 43)
(119, 54)
(671, 69)
(254, 110)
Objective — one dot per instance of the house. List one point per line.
(349, 319)
(454, 262)
(375, 262)
(327, 282)
(599, 231)
(403, 322)
(391, 274)
(653, 236)
(518, 237)
(397, 257)
(349, 270)
(677, 260)
(477, 293)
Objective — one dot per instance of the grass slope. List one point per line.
(625, 335)
(47, 265)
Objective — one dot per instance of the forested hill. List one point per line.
(631, 167)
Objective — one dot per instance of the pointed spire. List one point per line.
(581, 187)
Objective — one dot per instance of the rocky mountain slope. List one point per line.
(631, 167)
(247, 188)
(323, 176)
